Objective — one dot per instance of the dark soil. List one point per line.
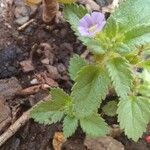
(15, 47)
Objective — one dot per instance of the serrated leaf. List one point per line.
(132, 13)
(134, 115)
(90, 88)
(52, 111)
(94, 126)
(70, 125)
(145, 64)
(137, 36)
(121, 75)
(76, 63)
(45, 114)
(73, 13)
(132, 21)
(110, 108)
(144, 89)
(66, 1)
(59, 97)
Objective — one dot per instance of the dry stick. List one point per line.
(25, 24)
(18, 124)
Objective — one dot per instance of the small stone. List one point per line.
(22, 20)
(45, 61)
(53, 72)
(103, 143)
(9, 87)
(19, 2)
(27, 65)
(67, 46)
(61, 68)
(34, 81)
(21, 12)
(63, 32)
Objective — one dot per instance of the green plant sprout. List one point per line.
(119, 46)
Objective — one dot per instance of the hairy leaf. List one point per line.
(90, 88)
(121, 75)
(110, 108)
(52, 111)
(76, 63)
(45, 114)
(70, 125)
(94, 126)
(73, 13)
(134, 115)
(131, 21)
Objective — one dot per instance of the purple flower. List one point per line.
(89, 25)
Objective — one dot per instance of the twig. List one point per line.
(25, 24)
(18, 124)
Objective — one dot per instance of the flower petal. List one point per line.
(83, 23)
(83, 31)
(89, 20)
(100, 27)
(97, 17)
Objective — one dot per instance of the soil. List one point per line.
(17, 46)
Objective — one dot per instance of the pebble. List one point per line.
(53, 72)
(63, 32)
(103, 143)
(23, 12)
(61, 68)
(34, 81)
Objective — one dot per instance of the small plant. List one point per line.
(119, 46)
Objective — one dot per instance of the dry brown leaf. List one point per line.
(50, 9)
(58, 140)
(33, 2)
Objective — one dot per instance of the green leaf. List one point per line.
(70, 125)
(52, 111)
(145, 64)
(144, 89)
(76, 63)
(132, 21)
(134, 115)
(90, 88)
(73, 13)
(121, 75)
(137, 36)
(110, 108)
(94, 126)
(132, 13)
(60, 98)
(45, 114)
